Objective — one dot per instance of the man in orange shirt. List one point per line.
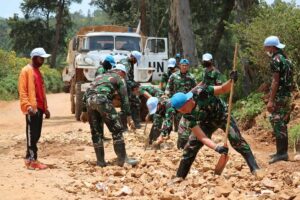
(33, 103)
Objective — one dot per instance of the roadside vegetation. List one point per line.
(9, 74)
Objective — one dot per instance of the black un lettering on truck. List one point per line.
(159, 68)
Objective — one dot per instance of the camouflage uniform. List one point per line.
(97, 101)
(164, 79)
(162, 120)
(158, 117)
(100, 70)
(212, 77)
(282, 102)
(179, 82)
(153, 91)
(134, 100)
(210, 113)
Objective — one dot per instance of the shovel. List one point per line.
(224, 157)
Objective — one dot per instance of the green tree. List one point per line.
(46, 24)
(5, 42)
(281, 19)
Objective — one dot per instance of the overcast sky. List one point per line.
(13, 6)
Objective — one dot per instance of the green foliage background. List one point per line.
(280, 19)
(10, 67)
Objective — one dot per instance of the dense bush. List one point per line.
(10, 67)
(248, 108)
(198, 73)
(294, 135)
(280, 19)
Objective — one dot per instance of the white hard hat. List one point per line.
(152, 105)
(273, 41)
(39, 52)
(171, 62)
(137, 56)
(121, 67)
(207, 57)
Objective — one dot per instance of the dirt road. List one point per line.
(66, 146)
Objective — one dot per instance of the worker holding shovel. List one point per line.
(206, 113)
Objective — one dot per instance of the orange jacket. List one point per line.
(27, 90)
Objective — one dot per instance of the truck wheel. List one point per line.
(78, 101)
(66, 88)
(144, 110)
(72, 96)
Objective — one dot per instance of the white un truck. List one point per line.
(92, 44)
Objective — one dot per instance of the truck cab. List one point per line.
(92, 44)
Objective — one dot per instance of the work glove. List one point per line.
(31, 111)
(233, 76)
(221, 149)
(130, 122)
(84, 117)
(47, 114)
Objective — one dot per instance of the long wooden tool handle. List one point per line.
(230, 97)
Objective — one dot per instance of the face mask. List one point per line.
(270, 54)
(206, 64)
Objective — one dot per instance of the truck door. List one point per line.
(156, 56)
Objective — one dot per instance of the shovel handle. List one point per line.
(230, 97)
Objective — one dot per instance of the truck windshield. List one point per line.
(101, 43)
(127, 43)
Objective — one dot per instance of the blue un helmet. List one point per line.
(111, 60)
(137, 56)
(273, 41)
(171, 62)
(179, 99)
(184, 61)
(207, 57)
(152, 103)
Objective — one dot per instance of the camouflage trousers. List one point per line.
(100, 111)
(236, 140)
(281, 117)
(135, 108)
(134, 101)
(184, 133)
(177, 118)
(156, 128)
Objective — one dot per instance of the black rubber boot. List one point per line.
(251, 162)
(122, 156)
(135, 114)
(272, 155)
(154, 134)
(184, 167)
(99, 150)
(181, 142)
(282, 149)
(123, 118)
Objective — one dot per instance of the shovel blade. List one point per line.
(221, 164)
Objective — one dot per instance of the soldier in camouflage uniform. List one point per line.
(211, 75)
(158, 117)
(172, 67)
(178, 58)
(279, 104)
(134, 100)
(180, 81)
(150, 91)
(206, 113)
(98, 109)
(163, 114)
(107, 64)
